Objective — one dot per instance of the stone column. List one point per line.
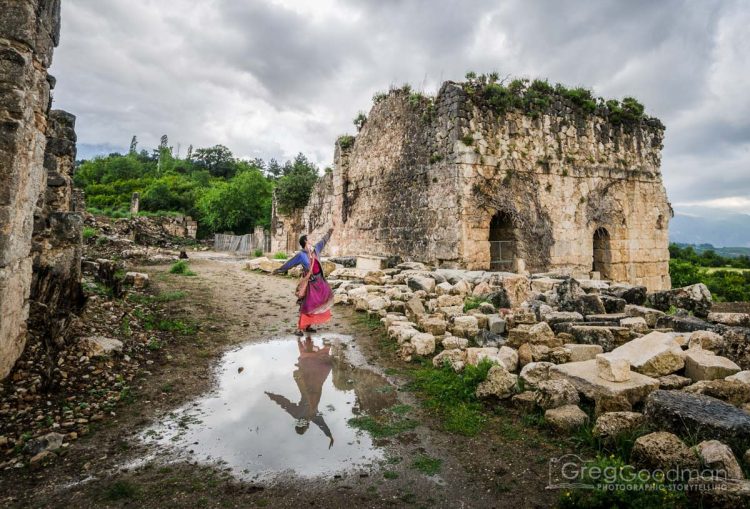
(29, 30)
(135, 204)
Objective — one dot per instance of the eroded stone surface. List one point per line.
(585, 377)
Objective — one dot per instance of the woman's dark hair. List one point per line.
(303, 241)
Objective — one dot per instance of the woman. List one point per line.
(315, 304)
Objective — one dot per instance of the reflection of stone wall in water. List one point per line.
(423, 181)
(29, 30)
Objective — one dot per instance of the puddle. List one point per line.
(281, 407)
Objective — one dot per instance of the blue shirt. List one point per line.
(302, 257)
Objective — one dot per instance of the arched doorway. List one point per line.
(602, 253)
(502, 242)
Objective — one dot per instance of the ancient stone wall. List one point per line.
(29, 30)
(56, 243)
(423, 180)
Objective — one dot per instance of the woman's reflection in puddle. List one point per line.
(314, 364)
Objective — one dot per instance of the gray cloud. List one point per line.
(271, 78)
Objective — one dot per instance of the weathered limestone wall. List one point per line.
(56, 244)
(423, 180)
(29, 30)
(560, 177)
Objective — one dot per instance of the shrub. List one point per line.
(258, 253)
(360, 120)
(89, 232)
(346, 141)
(467, 140)
(182, 268)
(281, 255)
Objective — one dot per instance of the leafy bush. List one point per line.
(360, 120)
(182, 268)
(258, 253)
(89, 232)
(346, 141)
(281, 255)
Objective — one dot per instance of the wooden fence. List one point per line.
(243, 244)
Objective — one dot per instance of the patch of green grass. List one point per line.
(390, 474)
(154, 345)
(400, 409)
(467, 140)
(182, 268)
(381, 427)
(89, 232)
(258, 253)
(121, 490)
(473, 303)
(372, 322)
(427, 464)
(167, 325)
(608, 475)
(281, 255)
(97, 289)
(452, 396)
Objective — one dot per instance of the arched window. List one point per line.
(602, 253)
(502, 242)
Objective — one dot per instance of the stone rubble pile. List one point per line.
(661, 360)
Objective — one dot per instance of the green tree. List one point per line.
(295, 186)
(218, 160)
(237, 205)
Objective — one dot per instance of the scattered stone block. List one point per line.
(731, 391)
(719, 457)
(695, 298)
(555, 393)
(93, 346)
(535, 372)
(699, 416)
(594, 335)
(496, 324)
(655, 354)
(465, 326)
(742, 376)
(663, 450)
(612, 368)
(566, 418)
(453, 342)
(524, 401)
(706, 340)
(433, 324)
(649, 314)
(610, 425)
(673, 382)
(500, 383)
(424, 343)
(585, 377)
(703, 365)
(138, 280)
(637, 323)
(455, 358)
(731, 319)
(583, 352)
(424, 283)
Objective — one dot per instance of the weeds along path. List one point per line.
(223, 306)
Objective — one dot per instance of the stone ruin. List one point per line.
(40, 224)
(451, 183)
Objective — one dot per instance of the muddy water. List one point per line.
(281, 407)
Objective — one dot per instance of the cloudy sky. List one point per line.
(270, 78)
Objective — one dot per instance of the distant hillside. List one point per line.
(722, 231)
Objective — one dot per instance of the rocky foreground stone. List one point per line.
(661, 361)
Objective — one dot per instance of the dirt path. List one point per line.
(505, 462)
